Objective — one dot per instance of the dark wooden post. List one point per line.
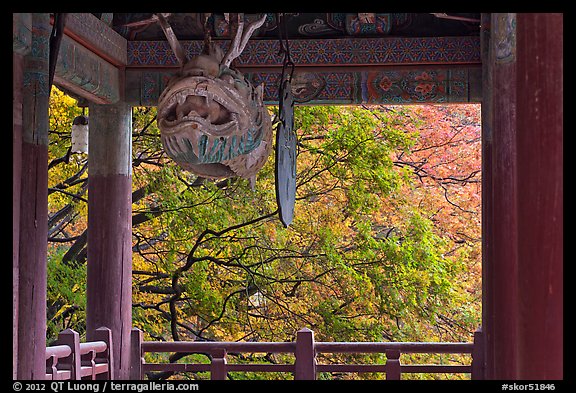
(305, 365)
(522, 197)
(218, 365)
(503, 194)
(393, 371)
(21, 39)
(136, 356)
(540, 195)
(105, 334)
(487, 203)
(478, 358)
(109, 273)
(72, 339)
(17, 67)
(33, 213)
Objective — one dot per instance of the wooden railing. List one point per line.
(71, 359)
(305, 350)
(54, 370)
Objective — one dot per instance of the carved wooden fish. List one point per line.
(212, 120)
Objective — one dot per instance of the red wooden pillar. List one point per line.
(522, 196)
(109, 271)
(33, 212)
(17, 62)
(487, 217)
(504, 258)
(540, 201)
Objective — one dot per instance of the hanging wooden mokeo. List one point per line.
(212, 120)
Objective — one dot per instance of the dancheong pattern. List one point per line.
(421, 81)
(421, 85)
(425, 85)
(343, 51)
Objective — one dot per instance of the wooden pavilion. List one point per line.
(510, 63)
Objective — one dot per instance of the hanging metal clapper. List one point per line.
(285, 167)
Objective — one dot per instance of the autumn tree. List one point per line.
(379, 248)
(446, 162)
(67, 212)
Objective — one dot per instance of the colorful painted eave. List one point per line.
(384, 85)
(98, 64)
(325, 52)
(341, 71)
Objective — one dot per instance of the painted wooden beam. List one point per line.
(390, 70)
(347, 52)
(86, 74)
(340, 85)
(91, 59)
(109, 269)
(97, 36)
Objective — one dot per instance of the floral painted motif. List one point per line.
(426, 85)
(379, 24)
(423, 86)
(385, 83)
(357, 51)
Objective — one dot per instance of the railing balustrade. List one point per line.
(71, 359)
(54, 370)
(305, 350)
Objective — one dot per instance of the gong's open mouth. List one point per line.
(195, 108)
